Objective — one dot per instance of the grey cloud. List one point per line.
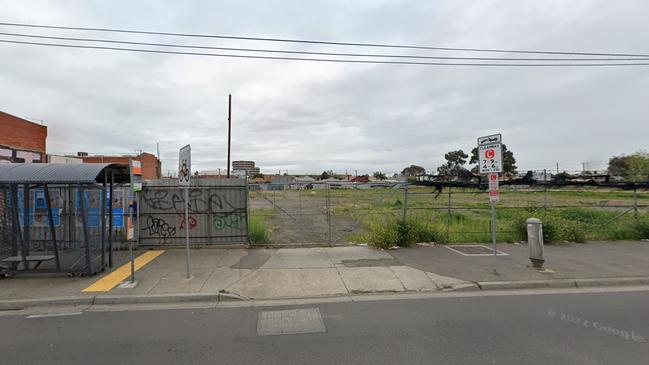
(309, 117)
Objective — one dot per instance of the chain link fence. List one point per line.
(338, 215)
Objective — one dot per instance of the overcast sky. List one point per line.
(306, 117)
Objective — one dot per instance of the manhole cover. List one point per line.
(475, 250)
(286, 322)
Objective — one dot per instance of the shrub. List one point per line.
(394, 232)
(560, 229)
(519, 227)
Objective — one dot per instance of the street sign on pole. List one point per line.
(490, 154)
(490, 162)
(185, 166)
(184, 176)
(494, 193)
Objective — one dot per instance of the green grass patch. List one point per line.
(388, 231)
(259, 231)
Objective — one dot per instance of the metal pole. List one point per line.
(493, 235)
(16, 223)
(405, 200)
(110, 221)
(229, 135)
(545, 183)
(299, 218)
(50, 219)
(103, 223)
(329, 211)
(448, 217)
(84, 222)
(635, 202)
(130, 251)
(187, 229)
(25, 250)
(248, 214)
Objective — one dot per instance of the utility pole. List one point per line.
(229, 129)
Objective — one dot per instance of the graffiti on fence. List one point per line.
(214, 213)
(192, 222)
(200, 201)
(159, 227)
(228, 220)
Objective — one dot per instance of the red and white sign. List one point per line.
(494, 192)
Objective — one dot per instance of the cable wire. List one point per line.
(288, 40)
(113, 41)
(327, 59)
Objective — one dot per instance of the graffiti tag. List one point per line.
(159, 227)
(229, 220)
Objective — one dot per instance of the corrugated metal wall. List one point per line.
(218, 212)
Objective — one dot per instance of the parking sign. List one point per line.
(494, 193)
(490, 154)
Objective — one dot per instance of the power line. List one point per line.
(327, 59)
(113, 41)
(288, 40)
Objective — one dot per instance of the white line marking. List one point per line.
(498, 252)
(48, 315)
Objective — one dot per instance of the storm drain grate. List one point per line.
(475, 250)
(292, 321)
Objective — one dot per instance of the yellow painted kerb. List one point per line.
(111, 280)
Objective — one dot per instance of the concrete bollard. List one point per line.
(535, 241)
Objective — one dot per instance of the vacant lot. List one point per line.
(453, 215)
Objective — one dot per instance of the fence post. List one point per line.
(329, 211)
(448, 217)
(299, 217)
(405, 200)
(545, 190)
(247, 215)
(635, 203)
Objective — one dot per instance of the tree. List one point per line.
(413, 170)
(379, 175)
(258, 176)
(617, 165)
(454, 169)
(633, 167)
(509, 162)
(638, 167)
(325, 175)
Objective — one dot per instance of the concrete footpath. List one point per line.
(262, 274)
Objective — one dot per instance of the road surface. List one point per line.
(582, 328)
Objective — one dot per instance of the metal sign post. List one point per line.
(490, 162)
(494, 197)
(135, 169)
(184, 175)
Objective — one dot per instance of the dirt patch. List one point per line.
(301, 217)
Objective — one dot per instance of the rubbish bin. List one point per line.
(535, 241)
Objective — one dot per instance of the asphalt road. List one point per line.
(596, 328)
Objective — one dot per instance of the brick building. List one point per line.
(21, 140)
(151, 166)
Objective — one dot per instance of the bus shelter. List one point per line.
(58, 217)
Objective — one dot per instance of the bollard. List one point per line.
(535, 241)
